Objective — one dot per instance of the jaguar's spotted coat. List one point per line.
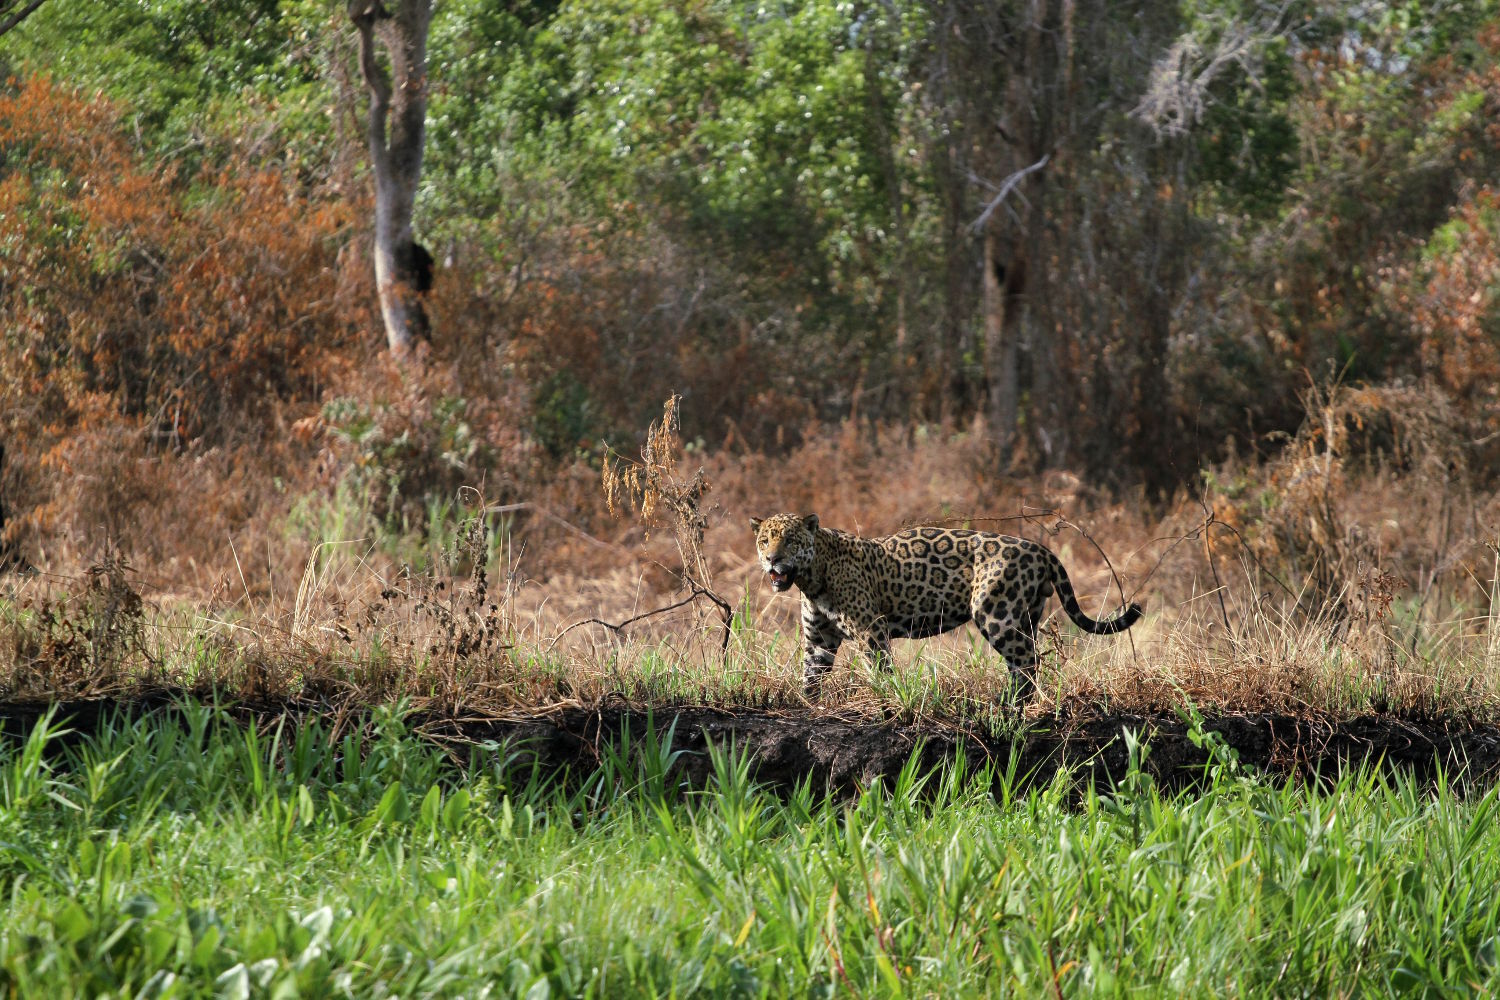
(918, 583)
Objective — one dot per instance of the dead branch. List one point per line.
(13, 17)
(1006, 187)
(1063, 522)
(1208, 554)
(697, 590)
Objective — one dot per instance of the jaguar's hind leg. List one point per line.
(1013, 636)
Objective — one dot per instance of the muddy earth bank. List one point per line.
(845, 753)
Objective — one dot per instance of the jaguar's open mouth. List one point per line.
(781, 581)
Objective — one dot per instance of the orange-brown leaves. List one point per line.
(177, 300)
(1452, 299)
(142, 311)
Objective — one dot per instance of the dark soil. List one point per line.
(846, 753)
(849, 753)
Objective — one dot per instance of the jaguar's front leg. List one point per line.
(820, 644)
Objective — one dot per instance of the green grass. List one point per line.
(163, 859)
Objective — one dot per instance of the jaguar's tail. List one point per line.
(1119, 623)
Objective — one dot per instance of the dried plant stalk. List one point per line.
(653, 483)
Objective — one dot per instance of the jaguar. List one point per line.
(918, 583)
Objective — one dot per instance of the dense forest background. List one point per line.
(1134, 242)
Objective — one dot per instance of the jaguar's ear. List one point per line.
(755, 523)
(811, 521)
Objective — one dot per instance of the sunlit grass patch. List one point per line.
(446, 651)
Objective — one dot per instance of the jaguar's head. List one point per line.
(784, 543)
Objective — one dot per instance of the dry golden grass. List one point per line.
(503, 617)
(1353, 573)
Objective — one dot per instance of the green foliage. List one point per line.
(769, 208)
(399, 463)
(1248, 145)
(499, 98)
(564, 421)
(166, 857)
(753, 128)
(757, 123)
(186, 69)
(1418, 31)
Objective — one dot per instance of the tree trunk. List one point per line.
(1047, 69)
(954, 337)
(396, 127)
(1002, 316)
(1020, 151)
(1163, 278)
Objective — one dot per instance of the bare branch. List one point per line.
(1005, 189)
(15, 18)
(1177, 94)
(726, 612)
(535, 508)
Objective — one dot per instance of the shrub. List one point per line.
(146, 313)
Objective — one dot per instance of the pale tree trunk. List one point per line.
(396, 127)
